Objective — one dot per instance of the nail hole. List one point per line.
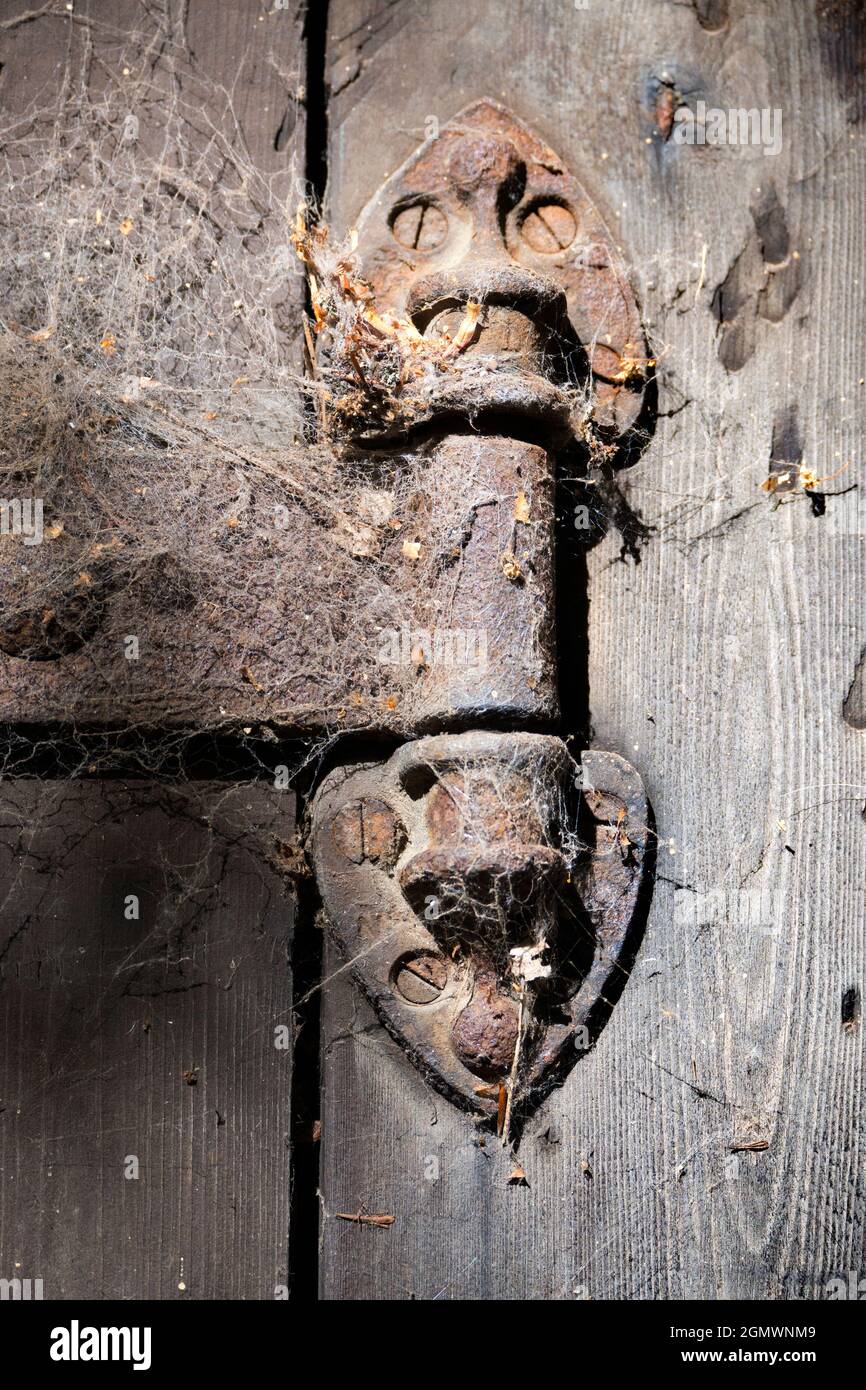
(850, 1008)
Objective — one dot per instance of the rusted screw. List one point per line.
(548, 228)
(420, 227)
(369, 831)
(420, 977)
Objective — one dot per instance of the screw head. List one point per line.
(420, 977)
(369, 831)
(420, 227)
(548, 228)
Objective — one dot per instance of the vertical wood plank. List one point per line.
(152, 1039)
(145, 1061)
(159, 150)
(721, 655)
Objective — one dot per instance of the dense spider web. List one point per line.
(219, 558)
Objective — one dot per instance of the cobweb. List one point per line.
(219, 558)
(154, 404)
(201, 489)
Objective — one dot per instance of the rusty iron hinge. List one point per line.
(481, 883)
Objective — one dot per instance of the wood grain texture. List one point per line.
(190, 119)
(149, 1039)
(720, 661)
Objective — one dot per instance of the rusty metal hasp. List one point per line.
(480, 883)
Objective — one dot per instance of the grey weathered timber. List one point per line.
(711, 1145)
(145, 1062)
(190, 122)
(155, 1038)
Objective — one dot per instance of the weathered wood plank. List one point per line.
(719, 664)
(153, 161)
(145, 1062)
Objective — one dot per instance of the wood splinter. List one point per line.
(364, 1218)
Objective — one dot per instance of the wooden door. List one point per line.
(707, 1147)
(710, 1144)
(147, 900)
